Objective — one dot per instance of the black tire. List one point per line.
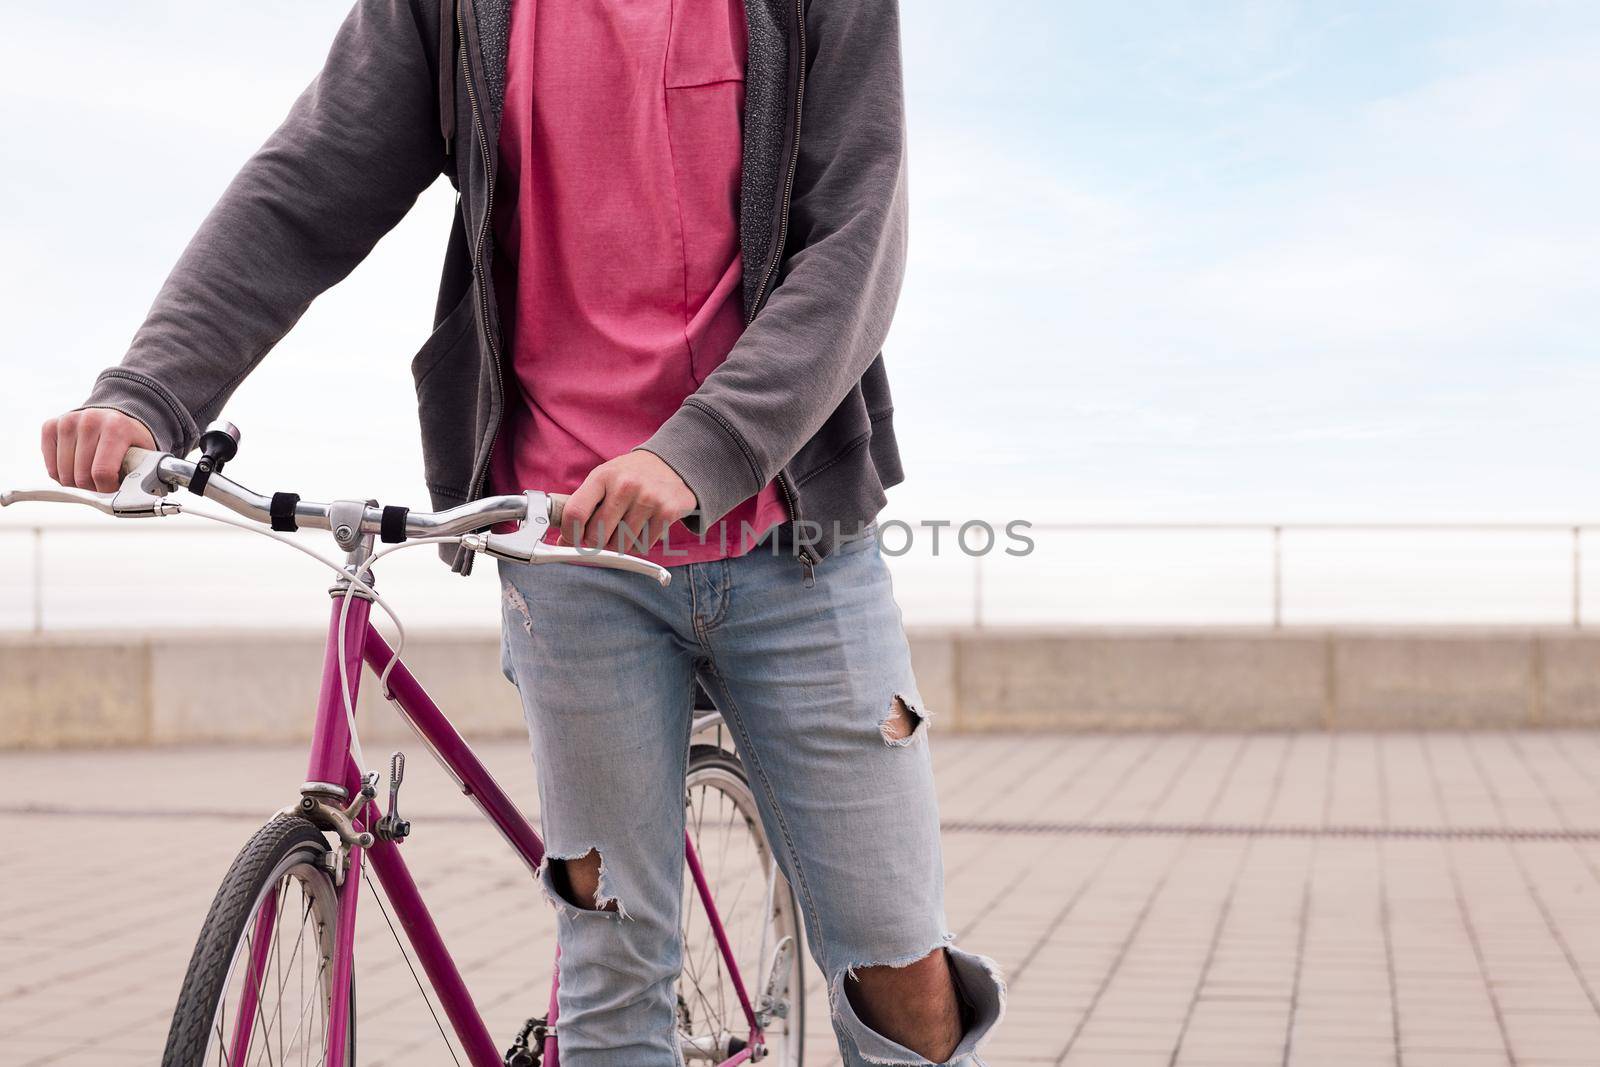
(286, 848)
(714, 768)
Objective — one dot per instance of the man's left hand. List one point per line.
(626, 504)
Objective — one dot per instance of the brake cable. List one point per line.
(357, 581)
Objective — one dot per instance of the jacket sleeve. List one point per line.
(356, 150)
(824, 324)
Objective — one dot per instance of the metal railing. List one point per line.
(1277, 534)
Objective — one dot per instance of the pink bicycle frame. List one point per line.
(331, 764)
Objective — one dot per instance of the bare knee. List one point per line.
(915, 1005)
(578, 881)
(929, 970)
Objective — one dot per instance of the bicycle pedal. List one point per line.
(528, 1049)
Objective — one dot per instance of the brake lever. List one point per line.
(600, 557)
(141, 494)
(527, 545)
(62, 495)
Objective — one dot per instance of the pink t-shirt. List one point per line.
(618, 237)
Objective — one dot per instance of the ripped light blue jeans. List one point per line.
(805, 675)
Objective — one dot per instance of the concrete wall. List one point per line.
(178, 688)
(170, 688)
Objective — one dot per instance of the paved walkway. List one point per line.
(1172, 899)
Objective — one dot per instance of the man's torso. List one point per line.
(618, 264)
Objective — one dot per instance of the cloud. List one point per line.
(1442, 216)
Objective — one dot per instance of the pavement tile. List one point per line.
(1122, 949)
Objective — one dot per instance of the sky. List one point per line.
(1308, 260)
(1169, 261)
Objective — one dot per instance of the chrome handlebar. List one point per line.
(175, 473)
(148, 476)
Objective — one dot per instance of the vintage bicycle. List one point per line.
(272, 977)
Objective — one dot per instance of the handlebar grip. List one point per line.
(558, 508)
(132, 458)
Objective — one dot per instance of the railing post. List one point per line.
(38, 579)
(977, 592)
(1277, 577)
(1577, 577)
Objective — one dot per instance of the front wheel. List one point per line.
(241, 1004)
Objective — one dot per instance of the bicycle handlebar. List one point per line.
(466, 518)
(350, 520)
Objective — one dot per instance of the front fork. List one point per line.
(345, 860)
(344, 961)
(336, 799)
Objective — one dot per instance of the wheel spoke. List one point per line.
(293, 955)
(260, 1019)
(277, 953)
(222, 1040)
(305, 1009)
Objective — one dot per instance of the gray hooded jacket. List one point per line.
(414, 88)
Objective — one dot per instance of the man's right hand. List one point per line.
(84, 448)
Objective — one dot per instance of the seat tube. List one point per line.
(330, 740)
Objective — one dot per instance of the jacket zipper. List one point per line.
(477, 252)
(791, 501)
(794, 162)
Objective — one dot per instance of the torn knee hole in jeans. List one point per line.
(515, 598)
(569, 880)
(978, 985)
(903, 723)
(852, 971)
